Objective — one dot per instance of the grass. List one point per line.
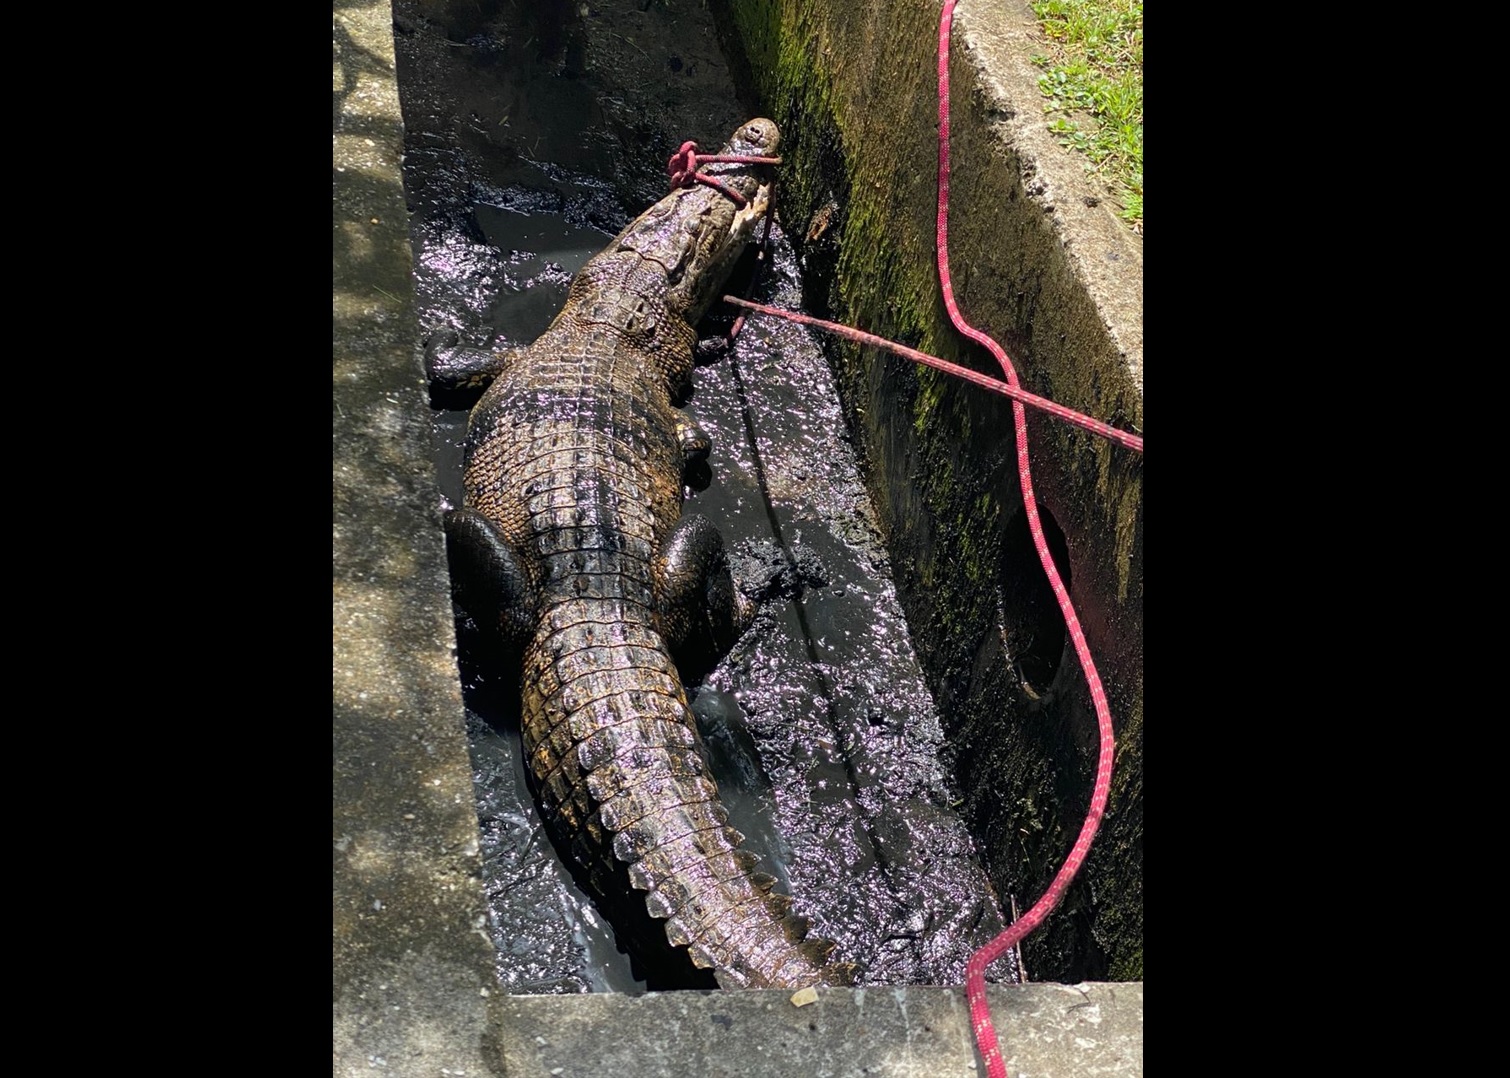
(1094, 82)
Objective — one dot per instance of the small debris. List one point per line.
(803, 997)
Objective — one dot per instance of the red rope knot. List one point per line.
(683, 165)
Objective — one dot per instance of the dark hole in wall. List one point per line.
(1030, 616)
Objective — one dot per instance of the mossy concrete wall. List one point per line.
(1040, 263)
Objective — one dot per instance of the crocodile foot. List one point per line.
(458, 370)
(711, 350)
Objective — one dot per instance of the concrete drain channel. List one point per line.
(529, 138)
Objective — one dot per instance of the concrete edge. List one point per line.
(412, 965)
(1043, 1031)
(1000, 38)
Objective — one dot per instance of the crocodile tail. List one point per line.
(814, 965)
(790, 959)
(714, 902)
(623, 775)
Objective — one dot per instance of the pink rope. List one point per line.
(975, 971)
(995, 385)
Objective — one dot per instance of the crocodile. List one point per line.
(571, 543)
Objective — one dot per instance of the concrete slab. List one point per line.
(1045, 1031)
(412, 966)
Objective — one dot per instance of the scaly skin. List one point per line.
(572, 535)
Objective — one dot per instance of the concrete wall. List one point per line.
(1044, 266)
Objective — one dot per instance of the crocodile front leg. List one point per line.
(453, 367)
(694, 441)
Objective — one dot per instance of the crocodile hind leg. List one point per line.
(486, 579)
(702, 612)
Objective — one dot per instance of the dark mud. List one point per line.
(529, 145)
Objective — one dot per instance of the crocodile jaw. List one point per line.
(746, 217)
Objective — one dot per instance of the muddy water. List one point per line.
(827, 747)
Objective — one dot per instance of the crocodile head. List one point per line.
(697, 233)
